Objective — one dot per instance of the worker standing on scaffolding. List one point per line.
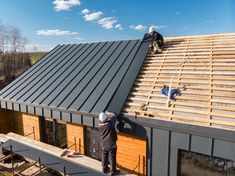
(108, 141)
(157, 40)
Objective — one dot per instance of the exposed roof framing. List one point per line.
(79, 79)
(205, 65)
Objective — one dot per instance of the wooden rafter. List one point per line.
(206, 65)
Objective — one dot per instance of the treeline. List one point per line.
(11, 39)
(12, 59)
(12, 64)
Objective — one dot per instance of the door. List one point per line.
(54, 132)
(93, 143)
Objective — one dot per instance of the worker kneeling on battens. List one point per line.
(108, 141)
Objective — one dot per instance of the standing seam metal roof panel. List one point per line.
(78, 79)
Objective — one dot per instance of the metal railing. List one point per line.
(33, 132)
(78, 148)
(139, 166)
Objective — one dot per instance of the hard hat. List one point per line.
(106, 116)
(151, 29)
(103, 117)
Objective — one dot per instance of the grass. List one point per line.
(35, 56)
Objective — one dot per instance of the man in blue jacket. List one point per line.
(173, 92)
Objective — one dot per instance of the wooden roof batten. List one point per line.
(205, 65)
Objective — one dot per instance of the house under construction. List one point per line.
(58, 99)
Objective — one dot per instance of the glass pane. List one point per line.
(194, 164)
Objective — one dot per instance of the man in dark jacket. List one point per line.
(108, 142)
(157, 40)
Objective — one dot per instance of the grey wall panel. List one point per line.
(47, 112)
(96, 119)
(31, 110)
(149, 132)
(66, 117)
(9, 105)
(16, 107)
(23, 108)
(178, 141)
(88, 121)
(77, 119)
(224, 149)
(38, 111)
(201, 144)
(160, 151)
(3, 104)
(56, 115)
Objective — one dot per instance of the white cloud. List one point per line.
(79, 39)
(55, 32)
(65, 4)
(108, 22)
(33, 47)
(138, 27)
(92, 16)
(159, 27)
(119, 26)
(85, 11)
(209, 21)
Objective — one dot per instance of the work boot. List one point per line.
(155, 52)
(106, 170)
(116, 172)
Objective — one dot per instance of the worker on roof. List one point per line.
(157, 40)
(173, 92)
(108, 142)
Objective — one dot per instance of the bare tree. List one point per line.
(3, 37)
(11, 39)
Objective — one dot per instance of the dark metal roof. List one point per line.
(80, 79)
(50, 160)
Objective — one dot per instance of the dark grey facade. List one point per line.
(166, 139)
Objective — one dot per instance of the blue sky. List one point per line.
(46, 23)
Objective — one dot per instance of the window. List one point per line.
(194, 164)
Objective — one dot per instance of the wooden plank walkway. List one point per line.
(81, 159)
(205, 65)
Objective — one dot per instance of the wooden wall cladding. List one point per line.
(75, 137)
(131, 153)
(26, 125)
